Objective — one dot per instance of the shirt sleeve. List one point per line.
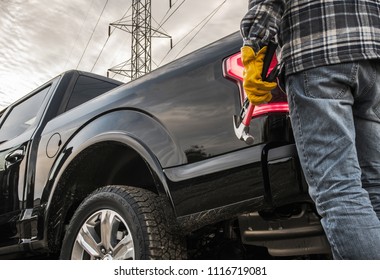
(262, 21)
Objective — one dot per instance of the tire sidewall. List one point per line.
(103, 201)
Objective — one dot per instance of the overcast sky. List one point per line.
(43, 38)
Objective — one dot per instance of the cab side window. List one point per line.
(87, 88)
(22, 116)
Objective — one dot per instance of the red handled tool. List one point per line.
(242, 122)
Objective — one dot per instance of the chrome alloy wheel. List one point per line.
(104, 236)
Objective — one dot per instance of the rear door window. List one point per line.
(87, 88)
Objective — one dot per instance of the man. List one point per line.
(330, 51)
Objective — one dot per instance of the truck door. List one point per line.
(16, 131)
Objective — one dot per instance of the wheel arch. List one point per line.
(110, 158)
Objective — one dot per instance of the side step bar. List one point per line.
(300, 234)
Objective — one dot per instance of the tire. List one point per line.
(120, 222)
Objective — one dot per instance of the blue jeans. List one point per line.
(335, 114)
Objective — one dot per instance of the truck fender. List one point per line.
(136, 130)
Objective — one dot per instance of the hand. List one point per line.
(257, 90)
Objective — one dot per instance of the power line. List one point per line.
(100, 53)
(205, 20)
(80, 31)
(120, 22)
(155, 30)
(93, 31)
(213, 13)
(162, 21)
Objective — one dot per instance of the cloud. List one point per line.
(42, 38)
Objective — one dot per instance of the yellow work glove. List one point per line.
(257, 90)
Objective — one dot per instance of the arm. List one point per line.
(258, 27)
(261, 22)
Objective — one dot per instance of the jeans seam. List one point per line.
(306, 84)
(302, 144)
(337, 253)
(354, 72)
(370, 85)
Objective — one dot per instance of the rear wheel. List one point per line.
(119, 222)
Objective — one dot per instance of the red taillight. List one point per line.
(234, 70)
(276, 107)
(234, 67)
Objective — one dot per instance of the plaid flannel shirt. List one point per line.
(315, 33)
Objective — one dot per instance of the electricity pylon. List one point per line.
(140, 26)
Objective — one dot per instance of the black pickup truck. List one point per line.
(94, 169)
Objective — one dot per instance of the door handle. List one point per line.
(15, 156)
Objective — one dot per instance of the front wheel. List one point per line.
(123, 223)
